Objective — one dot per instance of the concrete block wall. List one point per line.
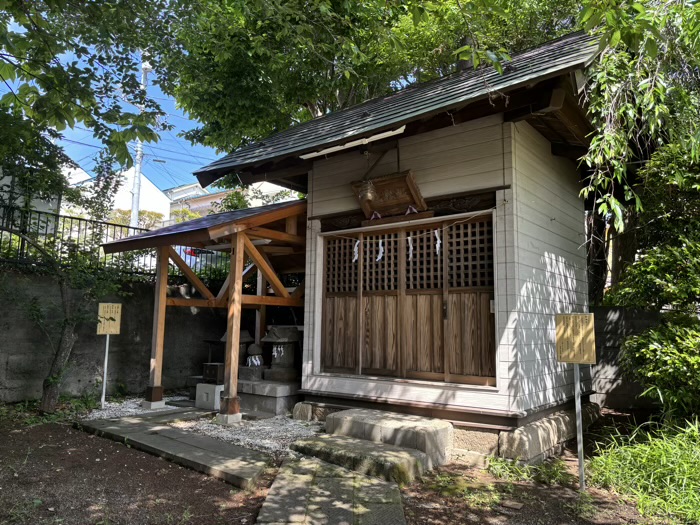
(613, 389)
(25, 356)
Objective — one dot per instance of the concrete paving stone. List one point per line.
(379, 514)
(371, 490)
(236, 465)
(331, 501)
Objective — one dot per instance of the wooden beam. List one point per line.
(264, 233)
(261, 262)
(261, 313)
(269, 300)
(230, 405)
(199, 303)
(222, 296)
(223, 293)
(189, 274)
(290, 225)
(293, 210)
(154, 393)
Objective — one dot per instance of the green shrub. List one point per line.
(658, 467)
(666, 361)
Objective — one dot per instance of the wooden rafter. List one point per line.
(189, 274)
(263, 265)
(264, 233)
(259, 220)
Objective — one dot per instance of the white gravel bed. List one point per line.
(272, 436)
(128, 407)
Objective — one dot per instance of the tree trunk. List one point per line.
(597, 261)
(624, 249)
(52, 384)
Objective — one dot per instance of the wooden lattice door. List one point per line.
(412, 302)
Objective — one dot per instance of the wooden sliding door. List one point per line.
(411, 302)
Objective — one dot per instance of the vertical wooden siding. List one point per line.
(417, 311)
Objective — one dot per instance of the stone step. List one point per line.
(392, 463)
(433, 437)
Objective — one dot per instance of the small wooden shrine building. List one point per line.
(443, 231)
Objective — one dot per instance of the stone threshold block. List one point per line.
(433, 437)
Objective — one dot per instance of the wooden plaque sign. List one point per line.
(575, 339)
(394, 194)
(110, 318)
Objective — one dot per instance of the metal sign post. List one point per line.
(109, 323)
(576, 344)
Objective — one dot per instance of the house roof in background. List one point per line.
(413, 103)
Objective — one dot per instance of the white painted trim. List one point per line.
(402, 224)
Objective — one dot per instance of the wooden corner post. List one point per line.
(230, 406)
(154, 393)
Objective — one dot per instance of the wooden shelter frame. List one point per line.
(278, 225)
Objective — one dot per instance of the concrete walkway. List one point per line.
(312, 492)
(150, 433)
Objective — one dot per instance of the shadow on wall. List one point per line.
(612, 326)
(25, 357)
(555, 286)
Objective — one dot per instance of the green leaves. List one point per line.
(62, 66)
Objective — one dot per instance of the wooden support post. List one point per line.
(261, 313)
(154, 393)
(291, 225)
(230, 405)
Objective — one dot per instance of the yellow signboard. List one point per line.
(575, 339)
(110, 318)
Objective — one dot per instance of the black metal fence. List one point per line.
(30, 237)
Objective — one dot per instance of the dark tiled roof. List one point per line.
(413, 103)
(199, 225)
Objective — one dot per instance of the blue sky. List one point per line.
(167, 163)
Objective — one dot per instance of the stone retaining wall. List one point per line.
(25, 357)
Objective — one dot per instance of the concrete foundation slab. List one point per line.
(536, 441)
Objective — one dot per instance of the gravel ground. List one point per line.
(272, 436)
(128, 407)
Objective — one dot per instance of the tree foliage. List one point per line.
(644, 93)
(247, 69)
(64, 62)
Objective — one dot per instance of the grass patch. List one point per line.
(657, 466)
(475, 493)
(550, 472)
(26, 413)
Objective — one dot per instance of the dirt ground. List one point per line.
(53, 474)
(453, 494)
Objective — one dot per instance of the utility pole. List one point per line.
(136, 186)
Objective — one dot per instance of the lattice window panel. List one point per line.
(423, 263)
(341, 272)
(469, 251)
(383, 274)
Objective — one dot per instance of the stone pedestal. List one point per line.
(268, 396)
(284, 342)
(250, 373)
(208, 396)
(152, 405)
